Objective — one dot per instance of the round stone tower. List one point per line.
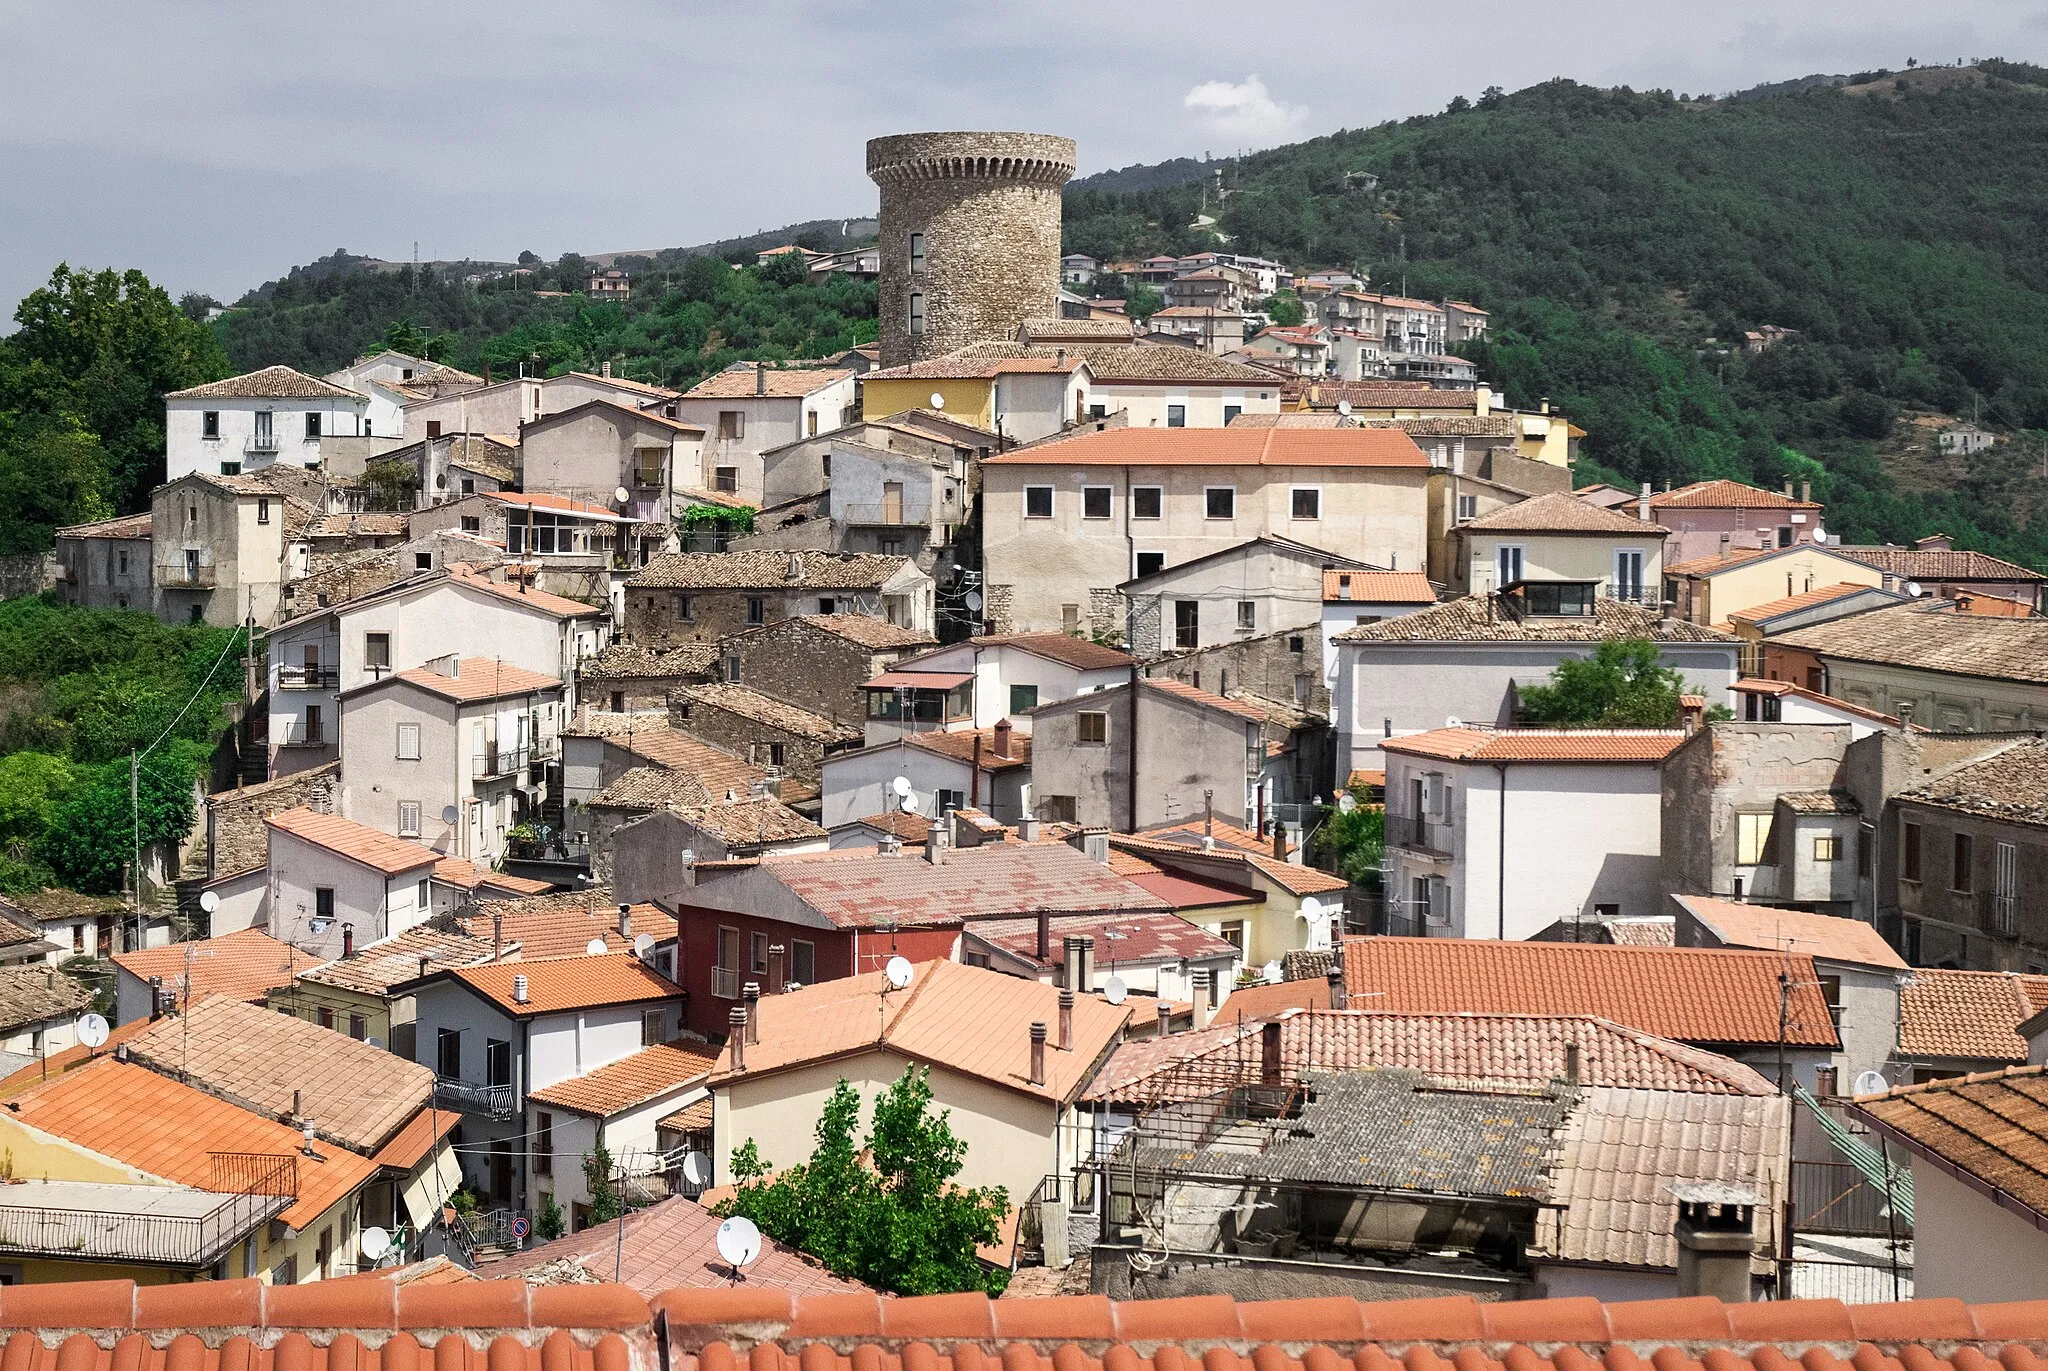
(970, 236)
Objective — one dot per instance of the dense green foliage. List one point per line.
(82, 384)
(1622, 238)
(80, 689)
(1624, 682)
(884, 1210)
(1353, 843)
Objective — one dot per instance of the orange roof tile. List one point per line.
(1970, 1015)
(457, 872)
(1379, 587)
(1271, 447)
(647, 1074)
(1725, 494)
(1786, 604)
(964, 1018)
(1196, 695)
(1540, 744)
(377, 1323)
(246, 965)
(478, 678)
(136, 1117)
(1826, 936)
(1991, 1128)
(411, 1144)
(540, 500)
(560, 606)
(562, 924)
(70, 1059)
(741, 381)
(1718, 996)
(357, 842)
(1722, 561)
(566, 983)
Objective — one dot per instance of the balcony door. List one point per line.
(1628, 574)
(263, 428)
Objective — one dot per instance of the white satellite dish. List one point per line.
(1913, 589)
(973, 601)
(448, 814)
(1454, 722)
(897, 969)
(643, 945)
(1344, 407)
(1114, 990)
(901, 785)
(595, 947)
(622, 495)
(1871, 1083)
(92, 1030)
(1346, 803)
(1310, 909)
(739, 1242)
(209, 900)
(697, 1168)
(1272, 972)
(375, 1042)
(938, 400)
(376, 1244)
(908, 804)
(1820, 535)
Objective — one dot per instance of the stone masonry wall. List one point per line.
(807, 666)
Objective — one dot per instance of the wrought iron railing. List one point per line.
(308, 677)
(1425, 834)
(725, 982)
(124, 1235)
(261, 442)
(492, 1101)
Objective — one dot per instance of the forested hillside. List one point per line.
(1899, 223)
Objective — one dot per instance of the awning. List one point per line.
(918, 680)
(430, 1185)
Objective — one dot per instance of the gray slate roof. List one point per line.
(1492, 618)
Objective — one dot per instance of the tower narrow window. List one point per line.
(917, 311)
(917, 252)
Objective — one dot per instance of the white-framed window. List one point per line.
(1306, 502)
(1468, 507)
(1628, 573)
(1095, 502)
(408, 818)
(1038, 502)
(1247, 616)
(917, 252)
(408, 742)
(1507, 564)
(1148, 502)
(1219, 502)
(917, 311)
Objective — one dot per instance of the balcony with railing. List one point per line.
(188, 575)
(495, 761)
(1420, 834)
(260, 442)
(491, 1101)
(157, 1225)
(725, 982)
(888, 514)
(2002, 913)
(288, 732)
(308, 678)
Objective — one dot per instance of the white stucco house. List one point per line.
(247, 422)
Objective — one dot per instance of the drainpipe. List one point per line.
(1131, 749)
(1501, 856)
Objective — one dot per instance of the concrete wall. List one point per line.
(857, 784)
(242, 565)
(998, 666)
(590, 456)
(376, 904)
(105, 573)
(1697, 533)
(1183, 749)
(1967, 1248)
(1939, 700)
(376, 781)
(1712, 599)
(1730, 769)
(1284, 589)
(770, 421)
(1555, 557)
(932, 500)
(186, 450)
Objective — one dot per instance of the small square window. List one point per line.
(468, 487)
(725, 480)
(1022, 698)
(1247, 615)
(1093, 728)
(209, 424)
(684, 608)
(1095, 502)
(1038, 502)
(1308, 503)
(1468, 507)
(1826, 847)
(1149, 562)
(1220, 502)
(312, 425)
(472, 524)
(732, 423)
(1147, 501)
(1176, 416)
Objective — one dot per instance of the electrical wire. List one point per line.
(217, 663)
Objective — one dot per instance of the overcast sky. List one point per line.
(216, 143)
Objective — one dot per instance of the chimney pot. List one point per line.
(736, 1036)
(1806, 492)
(1038, 1054)
(1788, 489)
(1716, 1234)
(1027, 828)
(626, 922)
(1337, 996)
(1002, 739)
(1571, 1063)
(1085, 945)
(519, 988)
(348, 941)
(1269, 1052)
(1070, 962)
(752, 995)
(1824, 1082)
(1066, 1021)
(1202, 990)
(936, 841)
(1165, 1017)
(1044, 934)
(778, 973)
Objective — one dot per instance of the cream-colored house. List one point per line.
(1064, 524)
(1005, 1058)
(220, 551)
(352, 994)
(601, 447)
(1559, 537)
(1714, 589)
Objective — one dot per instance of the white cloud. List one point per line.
(1243, 109)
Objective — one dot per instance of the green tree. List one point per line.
(1624, 682)
(605, 1201)
(1285, 308)
(549, 1223)
(91, 837)
(392, 484)
(53, 472)
(1143, 302)
(1355, 841)
(893, 1217)
(409, 338)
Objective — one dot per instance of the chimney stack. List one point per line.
(1806, 492)
(751, 993)
(1027, 828)
(1165, 1017)
(1571, 1063)
(156, 997)
(1724, 544)
(1208, 821)
(1002, 740)
(1279, 841)
(936, 840)
(1716, 1233)
(1044, 934)
(1085, 945)
(778, 973)
(736, 1036)
(760, 378)
(1066, 1021)
(1070, 947)
(1788, 488)
(1038, 1054)
(1269, 1052)
(1337, 997)
(1824, 1082)
(348, 941)
(626, 922)
(1643, 503)
(519, 988)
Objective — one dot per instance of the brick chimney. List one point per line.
(1934, 542)
(1066, 1021)
(1002, 740)
(348, 941)
(1038, 1054)
(751, 993)
(778, 974)
(1716, 1233)
(1824, 1082)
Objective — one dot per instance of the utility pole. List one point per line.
(135, 833)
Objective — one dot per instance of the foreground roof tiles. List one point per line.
(2010, 784)
(1991, 1128)
(645, 1075)
(379, 1324)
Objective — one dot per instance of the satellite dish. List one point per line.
(897, 969)
(1346, 803)
(209, 900)
(643, 946)
(1913, 589)
(973, 601)
(1454, 722)
(376, 1244)
(375, 1042)
(901, 785)
(739, 1242)
(1114, 990)
(1310, 909)
(448, 814)
(908, 804)
(622, 495)
(1272, 972)
(1871, 1083)
(697, 1168)
(938, 400)
(1344, 407)
(595, 947)
(92, 1030)
(1820, 535)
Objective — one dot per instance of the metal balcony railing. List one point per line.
(298, 733)
(260, 442)
(725, 983)
(308, 677)
(180, 576)
(115, 1233)
(491, 1101)
(905, 514)
(1421, 834)
(499, 761)
(2004, 912)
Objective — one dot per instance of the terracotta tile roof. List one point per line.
(1235, 847)
(1723, 561)
(1083, 653)
(622, 661)
(917, 680)
(1788, 604)
(672, 1245)
(354, 1094)
(1931, 636)
(270, 383)
(1939, 564)
(559, 606)
(646, 1075)
(562, 924)
(1592, 745)
(70, 1059)
(752, 705)
(1225, 447)
(1819, 802)
(1378, 587)
(911, 828)
(627, 384)
(1696, 995)
(247, 965)
(357, 526)
(1641, 931)
(1990, 1128)
(560, 504)
(1751, 685)
(378, 966)
(2010, 785)
(1142, 936)
(963, 1018)
(411, 1144)
(1382, 395)
(646, 788)
(864, 629)
(747, 821)
(1824, 936)
(35, 994)
(152, 1123)
(1493, 618)
(465, 876)
(740, 380)
(663, 746)
(1193, 695)
(55, 902)
(1971, 1015)
(1724, 494)
(691, 1118)
(358, 842)
(125, 526)
(767, 570)
(1179, 892)
(377, 1323)
(1110, 363)
(959, 745)
(477, 679)
(855, 887)
(1559, 512)
(563, 984)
